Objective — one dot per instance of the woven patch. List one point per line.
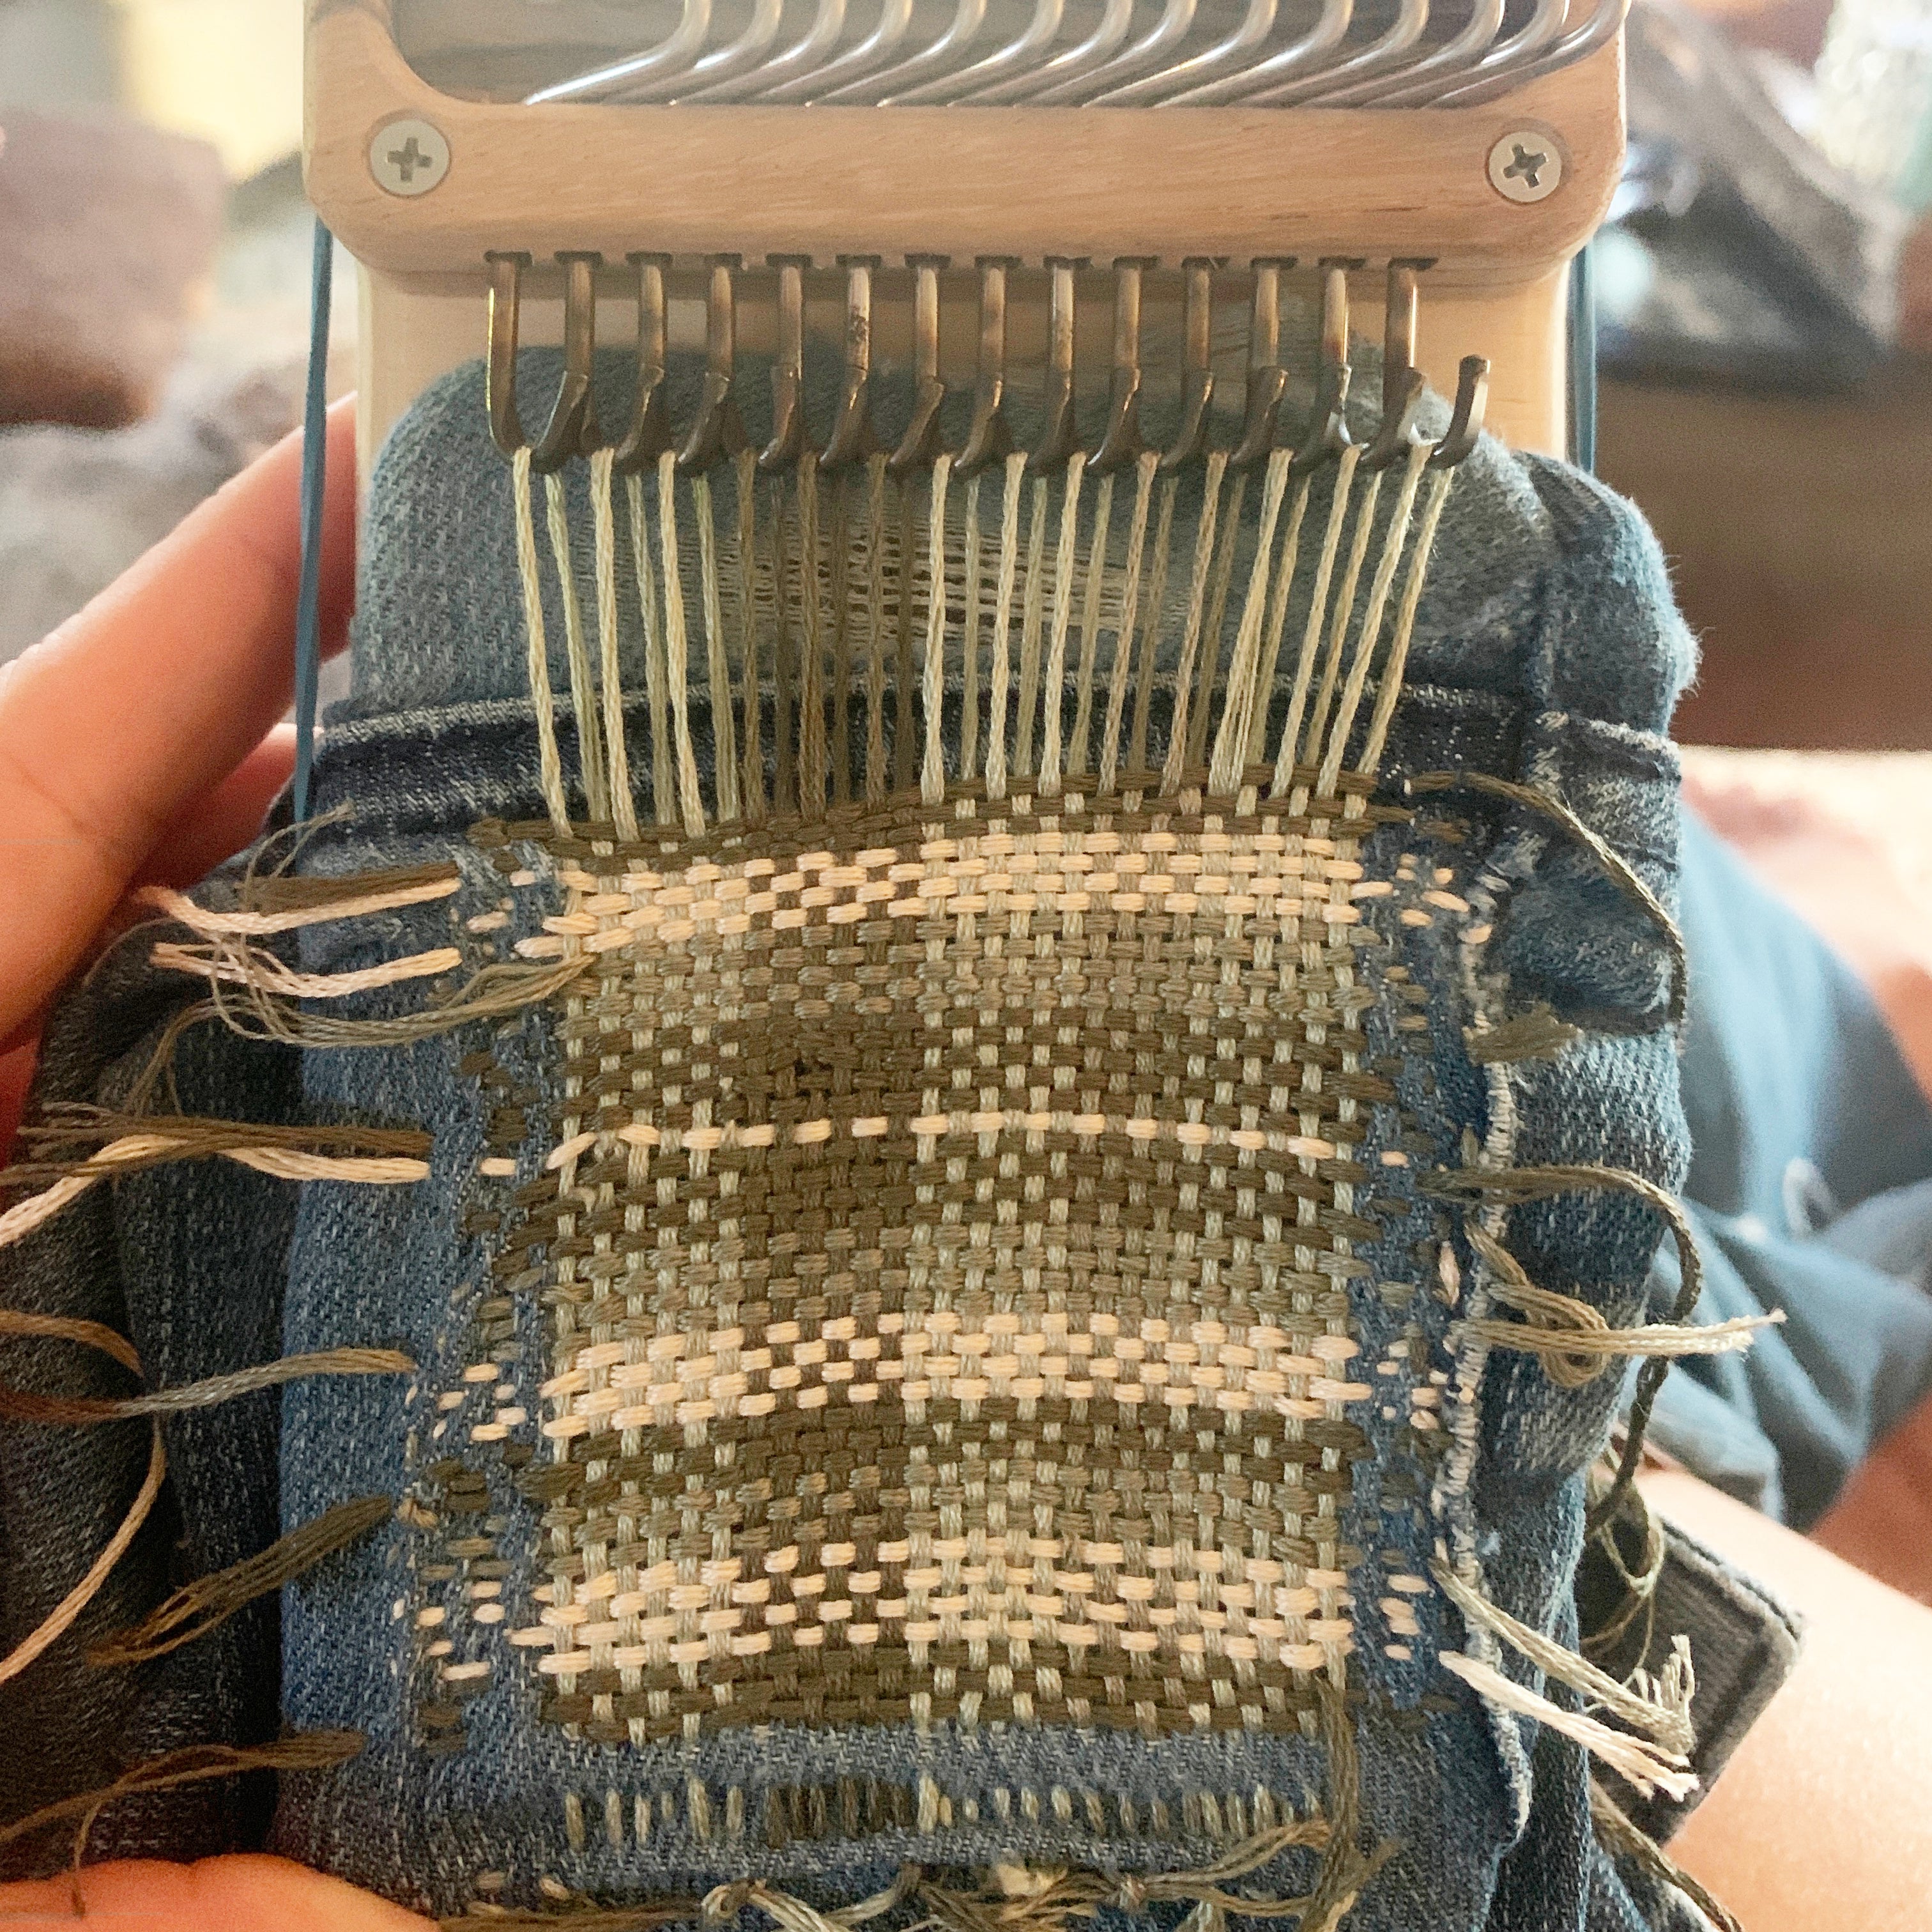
(945, 1255)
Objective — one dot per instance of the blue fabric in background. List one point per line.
(1810, 1186)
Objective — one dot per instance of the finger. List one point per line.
(148, 700)
(241, 1894)
(228, 819)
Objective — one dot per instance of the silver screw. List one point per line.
(409, 158)
(1526, 166)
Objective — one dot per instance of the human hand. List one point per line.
(140, 742)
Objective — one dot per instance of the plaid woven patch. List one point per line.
(946, 1256)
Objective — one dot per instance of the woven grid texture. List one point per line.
(947, 1253)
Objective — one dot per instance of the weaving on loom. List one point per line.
(971, 966)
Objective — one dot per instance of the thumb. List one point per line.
(239, 1894)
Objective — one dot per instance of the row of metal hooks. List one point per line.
(716, 434)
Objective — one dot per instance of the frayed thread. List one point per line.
(1649, 1767)
(1623, 1840)
(1660, 1706)
(1575, 1342)
(276, 903)
(208, 1602)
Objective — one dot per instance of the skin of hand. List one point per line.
(141, 743)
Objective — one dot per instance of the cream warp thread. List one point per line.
(1342, 611)
(1150, 622)
(1214, 629)
(1366, 638)
(1231, 738)
(1053, 741)
(549, 765)
(999, 695)
(677, 649)
(616, 745)
(1033, 618)
(661, 805)
(1197, 615)
(1123, 629)
(750, 677)
(875, 630)
(969, 642)
(717, 665)
(1263, 687)
(1309, 649)
(1079, 744)
(932, 773)
(577, 646)
(811, 644)
(1393, 671)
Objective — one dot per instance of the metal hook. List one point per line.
(853, 438)
(1071, 64)
(672, 54)
(572, 430)
(990, 440)
(1267, 379)
(1465, 419)
(1059, 435)
(506, 303)
(920, 444)
(790, 439)
(718, 432)
(650, 432)
(1402, 383)
(1197, 392)
(1122, 444)
(1328, 428)
(1168, 32)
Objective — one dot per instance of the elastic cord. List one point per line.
(314, 498)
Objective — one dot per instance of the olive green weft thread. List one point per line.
(82, 1412)
(199, 1764)
(1614, 864)
(1623, 1840)
(1516, 1184)
(208, 1602)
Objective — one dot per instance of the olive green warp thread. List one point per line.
(1613, 863)
(208, 1602)
(1623, 1840)
(199, 1764)
(1517, 1184)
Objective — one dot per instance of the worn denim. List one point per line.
(1547, 651)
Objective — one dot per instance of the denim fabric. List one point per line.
(190, 1263)
(1547, 650)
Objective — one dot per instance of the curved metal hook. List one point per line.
(1465, 419)
(853, 438)
(717, 431)
(1059, 435)
(506, 303)
(573, 429)
(1121, 443)
(804, 57)
(1328, 426)
(990, 440)
(1411, 17)
(1402, 383)
(951, 49)
(1603, 26)
(790, 437)
(878, 46)
(1197, 378)
(1291, 62)
(1072, 64)
(1451, 60)
(1267, 379)
(1019, 56)
(919, 445)
(1166, 34)
(650, 435)
(1503, 61)
(1158, 87)
(672, 54)
(721, 65)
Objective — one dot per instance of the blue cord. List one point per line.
(314, 500)
(1583, 360)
